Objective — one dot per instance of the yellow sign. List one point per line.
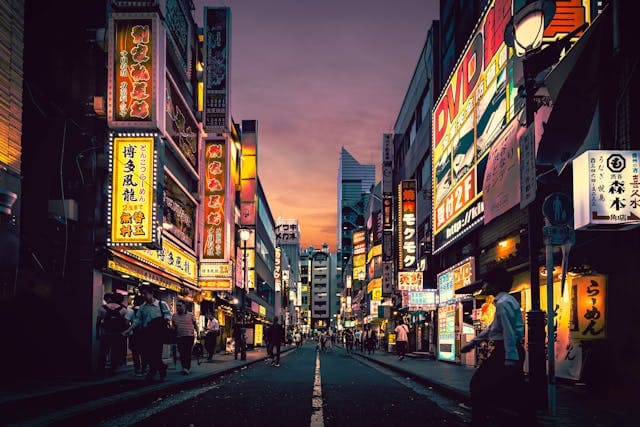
(258, 334)
(588, 315)
(215, 270)
(170, 258)
(262, 310)
(215, 285)
(142, 274)
(359, 260)
(374, 252)
(131, 197)
(374, 284)
(392, 338)
(376, 295)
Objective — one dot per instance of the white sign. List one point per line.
(606, 190)
(501, 185)
(287, 232)
(424, 300)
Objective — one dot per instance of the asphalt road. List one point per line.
(347, 392)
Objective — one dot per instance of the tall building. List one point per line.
(354, 183)
(288, 240)
(320, 287)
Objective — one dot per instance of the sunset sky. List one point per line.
(319, 75)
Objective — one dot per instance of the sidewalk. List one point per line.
(575, 407)
(72, 401)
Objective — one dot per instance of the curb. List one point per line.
(89, 413)
(445, 390)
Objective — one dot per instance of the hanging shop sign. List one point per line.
(135, 61)
(170, 258)
(606, 190)
(214, 199)
(248, 179)
(217, 45)
(387, 164)
(454, 278)
(374, 287)
(588, 308)
(132, 204)
(447, 332)
(422, 300)
(178, 213)
(410, 280)
(407, 225)
(359, 267)
(501, 187)
(387, 279)
(375, 251)
(287, 232)
(277, 271)
(181, 126)
(215, 270)
(359, 242)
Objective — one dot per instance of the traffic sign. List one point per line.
(557, 209)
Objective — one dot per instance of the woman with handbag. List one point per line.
(153, 320)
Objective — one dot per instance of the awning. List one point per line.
(574, 85)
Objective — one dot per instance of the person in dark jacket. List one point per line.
(276, 338)
(240, 341)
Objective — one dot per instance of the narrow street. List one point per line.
(353, 393)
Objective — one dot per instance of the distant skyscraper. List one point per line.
(354, 183)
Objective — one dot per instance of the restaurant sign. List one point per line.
(171, 258)
(214, 200)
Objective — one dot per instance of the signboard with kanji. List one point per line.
(132, 217)
(217, 46)
(214, 200)
(407, 225)
(171, 258)
(588, 308)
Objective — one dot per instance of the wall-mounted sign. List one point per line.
(410, 280)
(606, 190)
(248, 175)
(170, 258)
(136, 58)
(447, 332)
(181, 126)
(407, 228)
(215, 284)
(215, 270)
(277, 271)
(359, 243)
(214, 199)
(387, 213)
(217, 45)
(142, 273)
(179, 212)
(387, 164)
(588, 308)
(132, 213)
(454, 278)
(287, 232)
(180, 30)
(387, 279)
(375, 251)
(422, 300)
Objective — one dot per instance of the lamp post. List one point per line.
(245, 235)
(524, 33)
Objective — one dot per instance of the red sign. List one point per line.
(456, 200)
(133, 71)
(214, 194)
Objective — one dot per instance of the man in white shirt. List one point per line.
(499, 381)
(211, 337)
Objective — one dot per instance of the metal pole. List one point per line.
(551, 387)
(535, 317)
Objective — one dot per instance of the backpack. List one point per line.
(114, 321)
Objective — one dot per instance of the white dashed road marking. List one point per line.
(317, 418)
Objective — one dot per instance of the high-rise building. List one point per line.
(354, 183)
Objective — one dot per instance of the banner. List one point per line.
(407, 235)
(132, 219)
(217, 45)
(214, 199)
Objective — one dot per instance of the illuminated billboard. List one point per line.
(171, 258)
(422, 300)
(447, 332)
(135, 61)
(476, 103)
(454, 278)
(410, 280)
(214, 199)
(407, 228)
(359, 243)
(217, 45)
(132, 204)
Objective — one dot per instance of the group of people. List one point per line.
(366, 340)
(148, 325)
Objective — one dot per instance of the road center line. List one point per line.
(317, 418)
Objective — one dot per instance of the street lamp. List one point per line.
(245, 235)
(524, 33)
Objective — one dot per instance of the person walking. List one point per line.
(402, 338)
(240, 341)
(153, 318)
(276, 338)
(110, 323)
(185, 324)
(499, 381)
(136, 343)
(348, 337)
(358, 339)
(211, 336)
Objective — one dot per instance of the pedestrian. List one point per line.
(297, 337)
(211, 336)
(136, 344)
(111, 322)
(265, 335)
(185, 324)
(332, 338)
(499, 381)
(276, 338)
(153, 318)
(322, 341)
(358, 339)
(240, 341)
(348, 337)
(402, 338)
